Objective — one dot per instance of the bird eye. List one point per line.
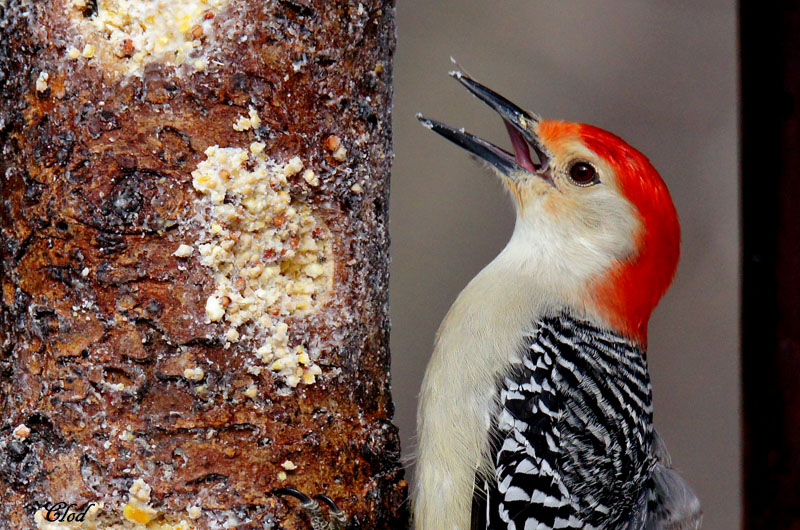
(583, 174)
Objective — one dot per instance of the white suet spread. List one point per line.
(129, 34)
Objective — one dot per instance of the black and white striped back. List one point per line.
(573, 442)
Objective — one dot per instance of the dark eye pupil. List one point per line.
(582, 172)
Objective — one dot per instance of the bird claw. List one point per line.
(336, 520)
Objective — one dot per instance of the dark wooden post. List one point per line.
(194, 261)
(770, 69)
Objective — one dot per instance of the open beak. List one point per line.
(519, 123)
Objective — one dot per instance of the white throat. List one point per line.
(481, 335)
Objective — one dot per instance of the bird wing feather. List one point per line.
(573, 443)
(571, 448)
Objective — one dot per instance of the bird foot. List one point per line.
(336, 519)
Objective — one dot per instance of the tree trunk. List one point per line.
(194, 262)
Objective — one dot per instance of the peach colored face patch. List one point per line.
(555, 134)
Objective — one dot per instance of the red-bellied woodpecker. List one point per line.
(536, 409)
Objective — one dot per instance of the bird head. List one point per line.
(595, 221)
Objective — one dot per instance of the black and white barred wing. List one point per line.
(574, 434)
(529, 493)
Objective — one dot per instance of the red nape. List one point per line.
(628, 295)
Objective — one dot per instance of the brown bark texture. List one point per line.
(115, 367)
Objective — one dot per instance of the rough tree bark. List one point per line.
(187, 328)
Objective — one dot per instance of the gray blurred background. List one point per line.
(661, 74)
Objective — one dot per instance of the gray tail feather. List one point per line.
(672, 504)
(667, 502)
